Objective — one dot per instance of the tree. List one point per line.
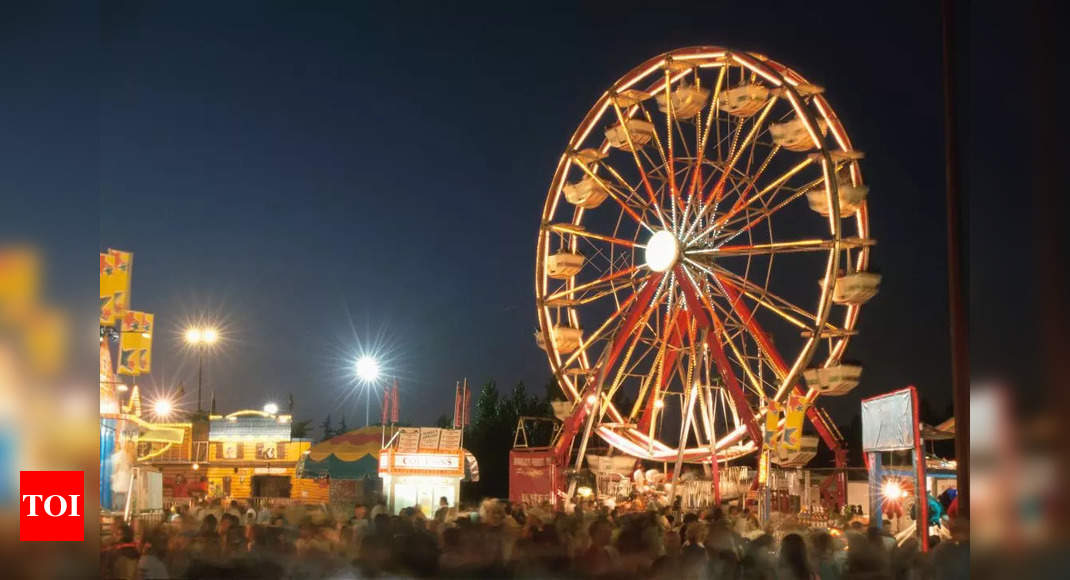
(342, 428)
(299, 429)
(444, 422)
(326, 426)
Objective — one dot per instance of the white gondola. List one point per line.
(793, 136)
(587, 193)
(687, 101)
(563, 265)
(562, 409)
(856, 288)
(835, 380)
(807, 450)
(588, 156)
(640, 131)
(743, 101)
(631, 97)
(851, 198)
(565, 338)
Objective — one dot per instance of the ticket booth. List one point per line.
(421, 465)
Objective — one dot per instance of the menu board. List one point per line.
(450, 440)
(429, 437)
(408, 440)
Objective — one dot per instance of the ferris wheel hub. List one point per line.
(662, 251)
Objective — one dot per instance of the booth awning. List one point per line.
(351, 455)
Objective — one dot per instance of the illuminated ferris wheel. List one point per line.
(703, 252)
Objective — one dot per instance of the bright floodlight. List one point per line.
(591, 399)
(367, 369)
(658, 403)
(193, 335)
(162, 408)
(662, 251)
(893, 491)
(271, 408)
(209, 335)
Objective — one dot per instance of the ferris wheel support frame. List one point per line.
(834, 442)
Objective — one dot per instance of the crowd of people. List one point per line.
(500, 540)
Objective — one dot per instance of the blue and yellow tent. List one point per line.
(351, 455)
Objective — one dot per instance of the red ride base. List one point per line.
(534, 476)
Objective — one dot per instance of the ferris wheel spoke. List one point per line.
(765, 298)
(595, 336)
(747, 222)
(634, 333)
(571, 229)
(794, 246)
(639, 164)
(591, 285)
(739, 399)
(711, 199)
(614, 194)
(773, 187)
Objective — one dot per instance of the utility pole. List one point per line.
(957, 267)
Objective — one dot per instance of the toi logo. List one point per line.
(51, 506)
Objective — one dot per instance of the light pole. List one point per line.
(367, 368)
(201, 338)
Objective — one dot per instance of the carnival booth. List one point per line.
(349, 463)
(419, 466)
(903, 481)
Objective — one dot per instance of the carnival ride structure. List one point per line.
(702, 256)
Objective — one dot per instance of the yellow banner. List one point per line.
(135, 343)
(794, 415)
(772, 419)
(115, 269)
(145, 360)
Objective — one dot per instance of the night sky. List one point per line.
(314, 178)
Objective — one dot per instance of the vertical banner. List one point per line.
(135, 343)
(394, 411)
(129, 343)
(107, 293)
(466, 405)
(794, 415)
(458, 398)
(145, 359)
(115, 268)
(387, 398)
(772, 419)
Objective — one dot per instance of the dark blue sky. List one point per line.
(312, 176)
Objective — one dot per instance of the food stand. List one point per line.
(420, 465)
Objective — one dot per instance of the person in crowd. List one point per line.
(824, 560)
(793, 563)
(443, 509)
(600, 556)
(151, 565)
(120, 559)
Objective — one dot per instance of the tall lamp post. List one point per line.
(367, 368)
(201, 338)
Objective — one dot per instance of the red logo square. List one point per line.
(51, 506)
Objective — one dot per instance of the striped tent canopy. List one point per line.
(351, 455)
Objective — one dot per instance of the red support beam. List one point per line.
(747, 317)
(572, 423)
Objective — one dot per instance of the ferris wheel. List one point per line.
(703, 255)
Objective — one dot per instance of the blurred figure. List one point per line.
(951, 559)
(793, 563)
(121, 558)
(600, 557)
(825, 563)
(151, 564)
